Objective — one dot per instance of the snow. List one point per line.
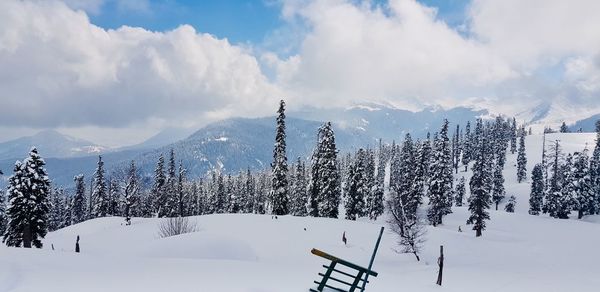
(255, 253)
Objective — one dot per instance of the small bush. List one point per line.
(175, 226)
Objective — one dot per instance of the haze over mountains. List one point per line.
(235, 144)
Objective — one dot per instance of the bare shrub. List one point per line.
(175, 226)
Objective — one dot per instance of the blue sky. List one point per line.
(239, 21)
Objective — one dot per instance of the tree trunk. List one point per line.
(441, 265)
(27, 236)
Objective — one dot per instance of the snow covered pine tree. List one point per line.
(279, 185)
(28, 207)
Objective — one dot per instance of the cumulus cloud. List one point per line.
(400, 53)
(403, 53)
(58, 69)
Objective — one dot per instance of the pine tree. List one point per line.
(564, 128)
(131, 196)
(498, 191)
(250, 190)
(456, 149)
(479, 201)
(521, 158)
(536, 198)
(510, 205)
(374, 201)
(279, 190)
(55, 218)
(180, 191)
(467, 146)
(99, 194)
(459, 193)
(220, 195)
(299, 194)
(440, 188)
(582, 185)
(172, 198)
(28, 207)
(357, 188)
(79, 204)
(114, 197)
(595, 168)
(513, 136)
(3, 219)
(324, 187)
(158, 193)
(558, 203)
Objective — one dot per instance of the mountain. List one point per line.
(390, 123)
(236, 144)
(50, 144)
(586, 125)
(162, 138)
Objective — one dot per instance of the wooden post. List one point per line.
(77, 244)
(441, 265)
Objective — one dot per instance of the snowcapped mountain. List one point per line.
(162, 138)
(388, 122)
(51, 144)
(236, 144)
(586, 125)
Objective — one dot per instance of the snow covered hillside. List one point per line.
(255, 253)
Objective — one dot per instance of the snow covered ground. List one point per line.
(256, 253)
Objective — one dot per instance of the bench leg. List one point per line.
(356, 282)
(326, 276)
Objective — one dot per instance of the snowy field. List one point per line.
(256, 253)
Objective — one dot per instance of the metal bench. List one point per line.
(354, 280)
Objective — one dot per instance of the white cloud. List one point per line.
(403, 53)
(60, 70)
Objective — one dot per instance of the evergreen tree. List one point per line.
(467, 146)
(440, 188)
(298, 191)
(374, 201)
(158, 194)
(510, 205)
(558, 203)
(513, 136)
(582, 185)
(456, 149)
(250, 190)
(78, 206)
(324, 188)
(3, 219)
(131, 196)
(180, 191)
(521, 158)
(459, 193)
(564, 128)
(595, 168)
(172, 197)
(479, 201)
(55, 218)
(28, 203)
(279, 190)
(114, 197)
(536, 198)
(357, 188)
(498, 191)
(99, 193)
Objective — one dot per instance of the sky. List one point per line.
(117, 71)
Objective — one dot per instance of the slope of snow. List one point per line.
(256, 253)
